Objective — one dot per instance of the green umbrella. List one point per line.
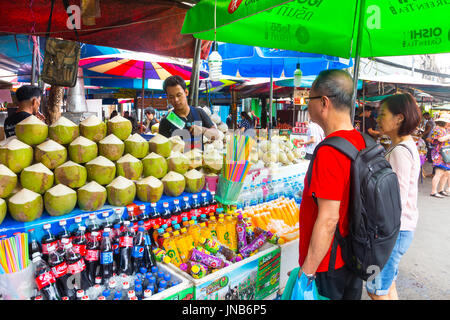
(342, 28)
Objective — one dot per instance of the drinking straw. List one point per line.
(3, 258)
(12, 256)
(24, 237)
(8, 256)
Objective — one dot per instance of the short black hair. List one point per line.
(173, 81)
(406, 105)
(27, 92)
(337, 85)
(368, 108)
(150, 110)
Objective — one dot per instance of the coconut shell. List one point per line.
(60, 200)
(82, 150)
(160, 145)
(129, 167)
(3, 209)
(101, 170)
(111, 147)
(8, 181)
(174, 184)
(137, 146)
(178, 162)
(91, 197)
(31, 131)
(195, 181)
(71, 174)
(63, 131)
(37, 178)
(149, 189)
(26, 206)
(119, 126)
(93, 128)
(51, 154)
(121, 192)
(154, 165)
(17, 155)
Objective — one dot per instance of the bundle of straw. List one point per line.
(14, 253)
(236, 160)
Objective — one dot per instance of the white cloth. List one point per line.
(314, 130)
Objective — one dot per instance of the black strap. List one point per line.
(49, 25)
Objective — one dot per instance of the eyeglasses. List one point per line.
(307, 99)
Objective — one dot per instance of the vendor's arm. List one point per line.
(312, 140)
(322, 234)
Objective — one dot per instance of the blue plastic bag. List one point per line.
(298, 288)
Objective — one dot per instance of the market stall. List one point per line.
(71, 189)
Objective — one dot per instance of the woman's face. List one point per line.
(388, 122)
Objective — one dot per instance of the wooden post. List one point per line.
(52, 110)
(234, 107)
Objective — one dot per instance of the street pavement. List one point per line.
(424, 272)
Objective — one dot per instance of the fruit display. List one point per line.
(64, 166)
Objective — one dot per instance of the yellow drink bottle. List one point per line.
(181, 245)
(222, 234)
(189, 242)
(212, 224)
(232, 235)
(194, 231)
(205, 231)
(171, 249)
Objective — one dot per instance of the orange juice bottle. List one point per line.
(182, 245)
(232, 235)
(194, 231)
(204, 231)
(222, 234)
(212, 224)
(171, 249)
(187, 238)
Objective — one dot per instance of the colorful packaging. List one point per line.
(241, 233)
(171, 249)
(161, 255)
(255, 244)
(198, 271)
(232, 235)
(207, 259)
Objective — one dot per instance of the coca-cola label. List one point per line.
(157, 222)
(76, 267)
(184, 214)
(147, 224)
(60, 270)
(80, 249)
(106, 257)
(45, 246)
(45, 279)
(138, 252)
(92, 255)
(126, 241)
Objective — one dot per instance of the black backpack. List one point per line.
(374, 208)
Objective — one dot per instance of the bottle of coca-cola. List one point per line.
(93, 225)
(47, 240)
(92, 257)
(75, 226)
(155, 216)
(213, 203)
(195, 211)
(125, 249)
(145, 218)
(76, 267)
(176, 212)
(59, 268)
(107, 220)
(34, 245)
(118, 216)
(79, 241)
(204, 204)
(166, 214)
(186, 209)
(133, 219)
(106, 258)
(45, 279)
(64, 234)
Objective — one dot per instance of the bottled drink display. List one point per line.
(92, 257)
(166, 214)
(186, 209)
(79, 241)
(106, 258)
(137, 255)
(195, 212)
(34, 245)
(76, 267)
(93, 225)
(47, 240)
(176, 212)
(125, 249)
(59, 268)
(45, 279)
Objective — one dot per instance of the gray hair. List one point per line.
(337, 85)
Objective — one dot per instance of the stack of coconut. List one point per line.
(61, 166)
(273, 153)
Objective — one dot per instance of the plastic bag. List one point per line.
(299, 289)
(18, 285)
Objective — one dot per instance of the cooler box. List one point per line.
(289, 260)
(254, 278)
(182, 291)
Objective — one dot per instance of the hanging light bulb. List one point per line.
(215, 66)
(297, 76)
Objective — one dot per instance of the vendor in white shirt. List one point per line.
(315, 135)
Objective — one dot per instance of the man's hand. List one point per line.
(195, 130)
(211, 134)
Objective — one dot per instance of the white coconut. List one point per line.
(26, 205)
(101, 161)
(82, 141)
(118, 119)
(50, 145)
(8, 181)
(111, 139)
(92, 187)
(121, 183)
(136, 138)
(177, 144)
(60, 190)
(91, 121)
(63, 121)
(60, 200)
(215, 118)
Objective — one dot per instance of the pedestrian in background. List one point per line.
(440, 138)
(398, 118)
(314, 135)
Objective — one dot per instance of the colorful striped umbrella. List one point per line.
(138, 65)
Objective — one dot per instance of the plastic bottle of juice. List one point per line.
(232, 235)
(205, 232)
(212, 224)
(194, 231)
(180, 243)
(222, 234)
(189, 241)
(171, 249)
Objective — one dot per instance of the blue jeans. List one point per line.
(382, 282)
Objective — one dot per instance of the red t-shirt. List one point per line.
(330, 180)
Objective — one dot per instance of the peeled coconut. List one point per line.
(17, 155)
(129, 167)
(91, 197)
(71, 174)
(136, 145)
(93, 128)
(155, 128)
(174, 184)
(119, 126)
(270, 157)
(26, 205)
(101, 170)
(60, 200)
(3, 143)
(178, 162)
(121, 192)
(31, 131)
(149, 189)
(223, 127)
(37, 178)
(8, 181)
(82, 150)
(154, 165)
(51, 154)
(282, 157)
(111, 147)
(213, 161)
(63, 131)
(177, 144)
(195, 181)
(160, 145)
(215, 118)
(2, 210)
(195, 158)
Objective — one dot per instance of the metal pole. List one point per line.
(271, 96)
(33, 65)
(357, 58)
(143, 94)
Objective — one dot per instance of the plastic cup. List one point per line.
(18, 285)
(211, 182)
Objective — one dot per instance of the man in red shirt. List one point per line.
(329, 105)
